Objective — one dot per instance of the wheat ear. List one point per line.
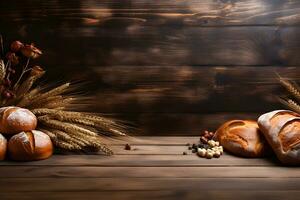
(80, 118)
(60, 143)
(41, 96)
(67, 127)
(290, 87)
(291, 104)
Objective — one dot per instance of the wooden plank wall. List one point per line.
(173, 67)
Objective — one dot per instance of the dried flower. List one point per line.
(13, 58)
(37, 71)
(30, 51)
(16, 46)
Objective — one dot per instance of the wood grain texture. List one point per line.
(161, 46)
(142, 160)
(168, 12)
(146, 184)
(148, 174)
(171, 67)
(161, 194)
(190, 89)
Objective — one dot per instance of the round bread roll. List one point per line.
(3, 146)
(242, 138)
(30, 145)
(15, 120)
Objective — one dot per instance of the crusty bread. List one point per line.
(30, 145)
(15, 120)
(3, 146)
(281, 128)
(242, 138)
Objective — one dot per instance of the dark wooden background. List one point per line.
(172, 67)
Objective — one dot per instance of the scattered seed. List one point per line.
(217, 154)
(127, 147)
(209, 155)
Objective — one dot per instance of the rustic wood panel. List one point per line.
(92, 33)
(148, 176)
(168, 12)
(156, 124)
(148, 184)
(147, 172)
(161, 46)
(172, 57)
(142, 161)
(161, 194)
(187, 89)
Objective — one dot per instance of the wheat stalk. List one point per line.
(83, 119)
(40, 96)
(292, 89)
(68, 127)
(90, 137)
(2, 70)
(291, 104)
(63, 144)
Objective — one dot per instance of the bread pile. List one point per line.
(24, 143)
(278, 131)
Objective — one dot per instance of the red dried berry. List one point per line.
(203, 140)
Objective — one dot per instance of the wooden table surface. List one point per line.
(155, 168)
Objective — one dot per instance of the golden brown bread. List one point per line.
(30, 145)
(15, 120)
(3, 147)
(242, 138)
(281, 128)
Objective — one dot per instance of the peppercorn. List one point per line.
(194, 146)
(184, 153)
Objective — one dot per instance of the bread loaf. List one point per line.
(3, 146)
(281, 128)
(242, 138)
(30, 145)
(15, 120)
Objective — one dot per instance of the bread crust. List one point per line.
(30, 145)
(242, 138)
(15, 120)
(281, 128)
(3, 147)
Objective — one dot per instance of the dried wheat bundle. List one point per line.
(293, 91)
(56, 108)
